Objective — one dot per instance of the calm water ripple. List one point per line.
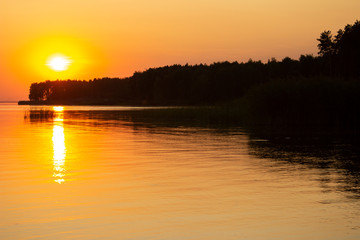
(119, 173)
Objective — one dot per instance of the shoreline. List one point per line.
(105, 103)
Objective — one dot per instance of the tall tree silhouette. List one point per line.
(326, 45)
(343, 50)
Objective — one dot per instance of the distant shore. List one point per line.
(79, 102)
(31, 103)
(97, 103)
(14, 101)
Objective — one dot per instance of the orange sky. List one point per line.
(114, 38)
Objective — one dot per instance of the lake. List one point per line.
(90, 172)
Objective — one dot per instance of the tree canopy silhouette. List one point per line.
(342, 50)
(176, 84)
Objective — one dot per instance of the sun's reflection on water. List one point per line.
(59, 147)
(58, 109)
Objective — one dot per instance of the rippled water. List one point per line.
(111, 173)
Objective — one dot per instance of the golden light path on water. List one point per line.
(59, 147)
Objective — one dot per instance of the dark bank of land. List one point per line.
(313, 90)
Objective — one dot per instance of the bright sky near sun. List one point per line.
(85, 39)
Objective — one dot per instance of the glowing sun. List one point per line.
(58, 62)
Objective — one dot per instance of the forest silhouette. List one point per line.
(320, 89)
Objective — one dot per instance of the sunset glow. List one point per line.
(192, 119)
(58, 63)
(58, 109)
(116, 38)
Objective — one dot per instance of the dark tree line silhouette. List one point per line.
(342, 51)
(222, 82)
(176, 85)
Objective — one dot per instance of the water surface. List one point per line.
(112, 173)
